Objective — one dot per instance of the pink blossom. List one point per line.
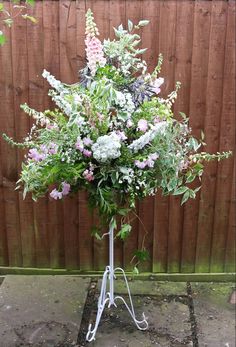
(87, 153)
(88, 175)
(35, 155)
(142, 125)
(79, 145)
(94, 53)
(157, 119)
(129, 123)
(156, 85)
(87, 141)
(55, 194)
(121, 135)
(140, 164)
(154, 156)
(149, 162)
(52, 148)
(52, 126)
(65, 188)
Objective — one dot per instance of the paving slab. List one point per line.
(168, 317)
(215, 315)
(41, 311)
(149, 287)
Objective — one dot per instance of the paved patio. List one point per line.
(54, 311)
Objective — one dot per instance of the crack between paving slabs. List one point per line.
(88, 306)
(193, 320)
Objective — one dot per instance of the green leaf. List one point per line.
(124, 231)
(30, 2)
(1, 6)
(142, 23)
(135, 270)
(95, 232)
(8, 22)
(185, 197)
(31, 18)
(142, 254)
(130, 25)
(2, 38)
(180, 190)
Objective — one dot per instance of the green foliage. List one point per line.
(2, 38)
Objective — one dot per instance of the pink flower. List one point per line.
(149, 162)
(87, 153)
(156, 85)
(52, 148)
(154, 156)
(35, 155)
(87, 141)
(157, 119)
(121, 135)
(129, 123)
(65, 188)
(94, 53)
(88, 175)
(142, 125)
(55, 194)
(79, 145)
(140, 164)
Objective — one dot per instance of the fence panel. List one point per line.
(197, 39)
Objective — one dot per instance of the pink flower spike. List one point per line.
(142, 125)
(65, 188)
(87, 153)
(55, 194)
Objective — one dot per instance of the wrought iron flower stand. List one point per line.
(107, 297)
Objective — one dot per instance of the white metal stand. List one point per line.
(107, 297)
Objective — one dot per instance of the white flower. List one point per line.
(143, 140)
(106, 148)
(53, 81)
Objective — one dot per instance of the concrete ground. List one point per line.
(54, 311)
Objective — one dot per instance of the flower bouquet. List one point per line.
(112, 133)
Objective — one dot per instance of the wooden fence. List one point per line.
(198, 43)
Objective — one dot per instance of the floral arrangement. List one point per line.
(111, 134)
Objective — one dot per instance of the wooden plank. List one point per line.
(167, 14)
(68, 74)
(183, 54)
(52, 63)
(211, 129)
(150, 40)
(197, 109)
(133, 11)
(226, 143)
(117, 16)
(85, 219)
(101, 11)
(35, 83)
(22, 123)
(229, 260)
(10, 242)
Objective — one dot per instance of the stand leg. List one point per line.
(108, 296)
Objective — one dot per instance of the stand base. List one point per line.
(108, 298)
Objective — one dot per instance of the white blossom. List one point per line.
(143, 140)
(106, 148)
